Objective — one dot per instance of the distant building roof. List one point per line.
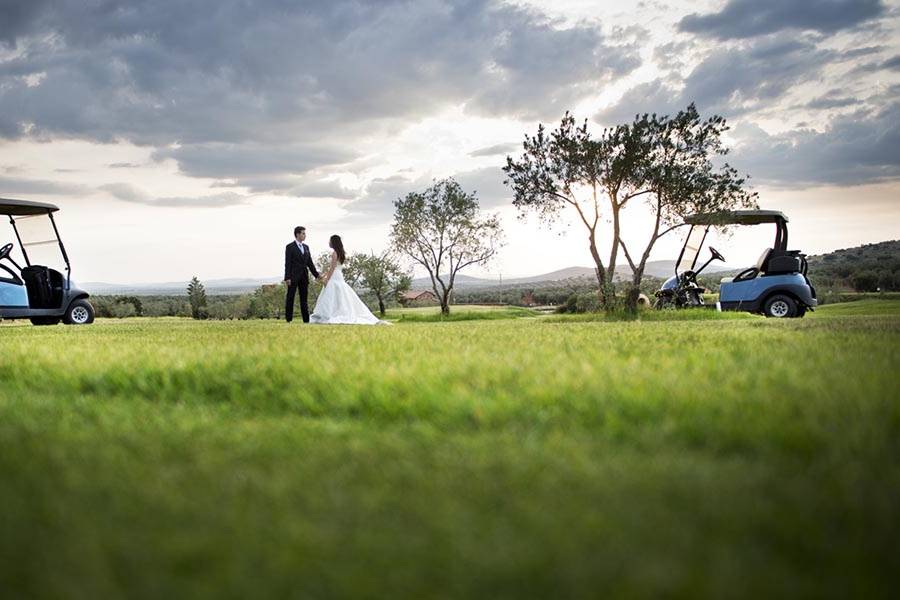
(416, 294)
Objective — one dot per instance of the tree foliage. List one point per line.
(197, 298)
(666, 160)
(442, 230)
(381, 275)
(561, 171)
(676, 172)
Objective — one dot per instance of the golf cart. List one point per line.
(776, 287)
(37, 291)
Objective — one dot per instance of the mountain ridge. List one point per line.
(235, 285)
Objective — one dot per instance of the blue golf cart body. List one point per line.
(37, 291)
(777, 286)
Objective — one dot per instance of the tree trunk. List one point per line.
(634, 292)
(445, 306)
(613, 255)
(381, 305)
(606, 294)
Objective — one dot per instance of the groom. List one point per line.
(296, 261)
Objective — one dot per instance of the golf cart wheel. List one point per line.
(44, 320)
(780, 306)
(664, 302)
(80, 313)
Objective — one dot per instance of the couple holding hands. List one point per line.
(337, 302)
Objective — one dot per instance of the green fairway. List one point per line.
(523, 457)
(866, 308)
(459, 313)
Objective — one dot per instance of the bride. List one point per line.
(337, 302)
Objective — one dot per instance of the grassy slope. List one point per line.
(868, 307)
(492, 458)
(475, 312)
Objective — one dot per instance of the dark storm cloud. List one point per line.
(11, 186)
(129, 193)
(17, 18)
(251, 159)
(488, 186)
(890, 64)
(853, 149)
(730, 81)
(321, 189)
(376, 202)
(832, 100)
(749, 18)
(224, 79)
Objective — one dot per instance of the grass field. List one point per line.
(524, 457)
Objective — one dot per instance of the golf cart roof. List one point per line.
(19, 208)
(737, 217)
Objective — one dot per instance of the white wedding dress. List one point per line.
(338, 303)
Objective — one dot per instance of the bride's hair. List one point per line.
(338, 246)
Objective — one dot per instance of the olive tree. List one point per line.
(676, 174)
(442, 230)
(569, 170)
(382, 275)
(666, 160)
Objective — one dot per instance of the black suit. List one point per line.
(296, 264)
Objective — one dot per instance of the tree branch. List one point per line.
(627, 256)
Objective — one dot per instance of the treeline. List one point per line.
(266, 302)
(569, 295)
(868, 268)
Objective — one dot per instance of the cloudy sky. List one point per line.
(185, 138)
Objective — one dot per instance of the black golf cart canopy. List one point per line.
(32, 234)
(19, 208)
(737, 217)
(746, 217)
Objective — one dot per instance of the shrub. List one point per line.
(866, 281)
(121, 310)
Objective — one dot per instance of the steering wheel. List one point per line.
(716, 254)
(5, 250)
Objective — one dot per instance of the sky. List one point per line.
(189, 138)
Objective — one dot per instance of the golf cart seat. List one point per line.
(755, 271)
(789, 261)
(44, 286)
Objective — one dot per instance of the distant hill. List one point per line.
(656, 268)
(863, 268)
(174, 288)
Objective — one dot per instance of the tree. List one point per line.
(667, 160)
(570, 170)
(382, 275)
(197, 298)
(441, 230)
(673, 169)
(267, 302)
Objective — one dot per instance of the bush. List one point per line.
(587, 302)
(121, 310)
(866, 281)
(581, 303)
